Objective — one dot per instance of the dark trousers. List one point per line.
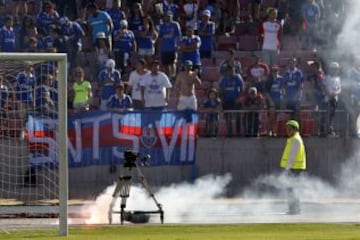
(327, 117)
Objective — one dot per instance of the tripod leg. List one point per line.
(124, 194)
(121, 189)
(162, 217)
(146, 185)
(119, 186)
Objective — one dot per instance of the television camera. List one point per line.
(133, 160)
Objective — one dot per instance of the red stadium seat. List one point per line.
(248, 43)
(210, 74)
(307, 123)
(200, 93)
(268, 3)
(208, 62)
(206, 85)
(281, 121)
(307, 128)
(246, 62)
(240, 29)
(226, 42)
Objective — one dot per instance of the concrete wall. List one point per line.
(244, 158)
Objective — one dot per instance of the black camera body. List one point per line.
(131, 157)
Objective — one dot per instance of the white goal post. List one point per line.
(61, 60)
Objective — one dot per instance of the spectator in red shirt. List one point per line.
(270, 34)
(257, 74)
(258, 71)
(252, 102)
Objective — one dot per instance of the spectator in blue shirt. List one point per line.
(47, 40)
(190, 47)
(32, 45)
(47, 17)
(7, 36)
(212, 108)
(60, 42)
(136, 16)
(206, 32)
(108, 79)
(27, 29)
(293, 85)
(116, 14)
(311, 15)
(74, 33)
(119, 101)
(230, 60)
(169, 35)
(231, 86)
(273, 94)
(147, 35)
(43, 102)
(24, 86)
(124, 45)
(99, 21)
(170, 6)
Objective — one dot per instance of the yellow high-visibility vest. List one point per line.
(300, 161)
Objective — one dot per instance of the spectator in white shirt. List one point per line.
(332, 89)
(134, 85)
(155, 88)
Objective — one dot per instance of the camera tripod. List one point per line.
(122, 190)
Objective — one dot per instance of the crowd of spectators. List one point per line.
(156, 54)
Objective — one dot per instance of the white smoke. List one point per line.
(262, 201)
(180, 202)
(348, 39)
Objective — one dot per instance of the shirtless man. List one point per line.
(185, 87)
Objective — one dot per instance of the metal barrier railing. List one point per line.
(255, 123)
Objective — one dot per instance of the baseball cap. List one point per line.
(123, 23)
(63, 20)
(110, 63)
(206, 13)
(293, 123)
(252, 90)
(188, 63)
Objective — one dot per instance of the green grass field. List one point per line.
(199, 232)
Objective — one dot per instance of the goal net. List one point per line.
(33, 140)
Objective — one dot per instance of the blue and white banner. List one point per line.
(100, 137)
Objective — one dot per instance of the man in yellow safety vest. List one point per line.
(293, 161)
